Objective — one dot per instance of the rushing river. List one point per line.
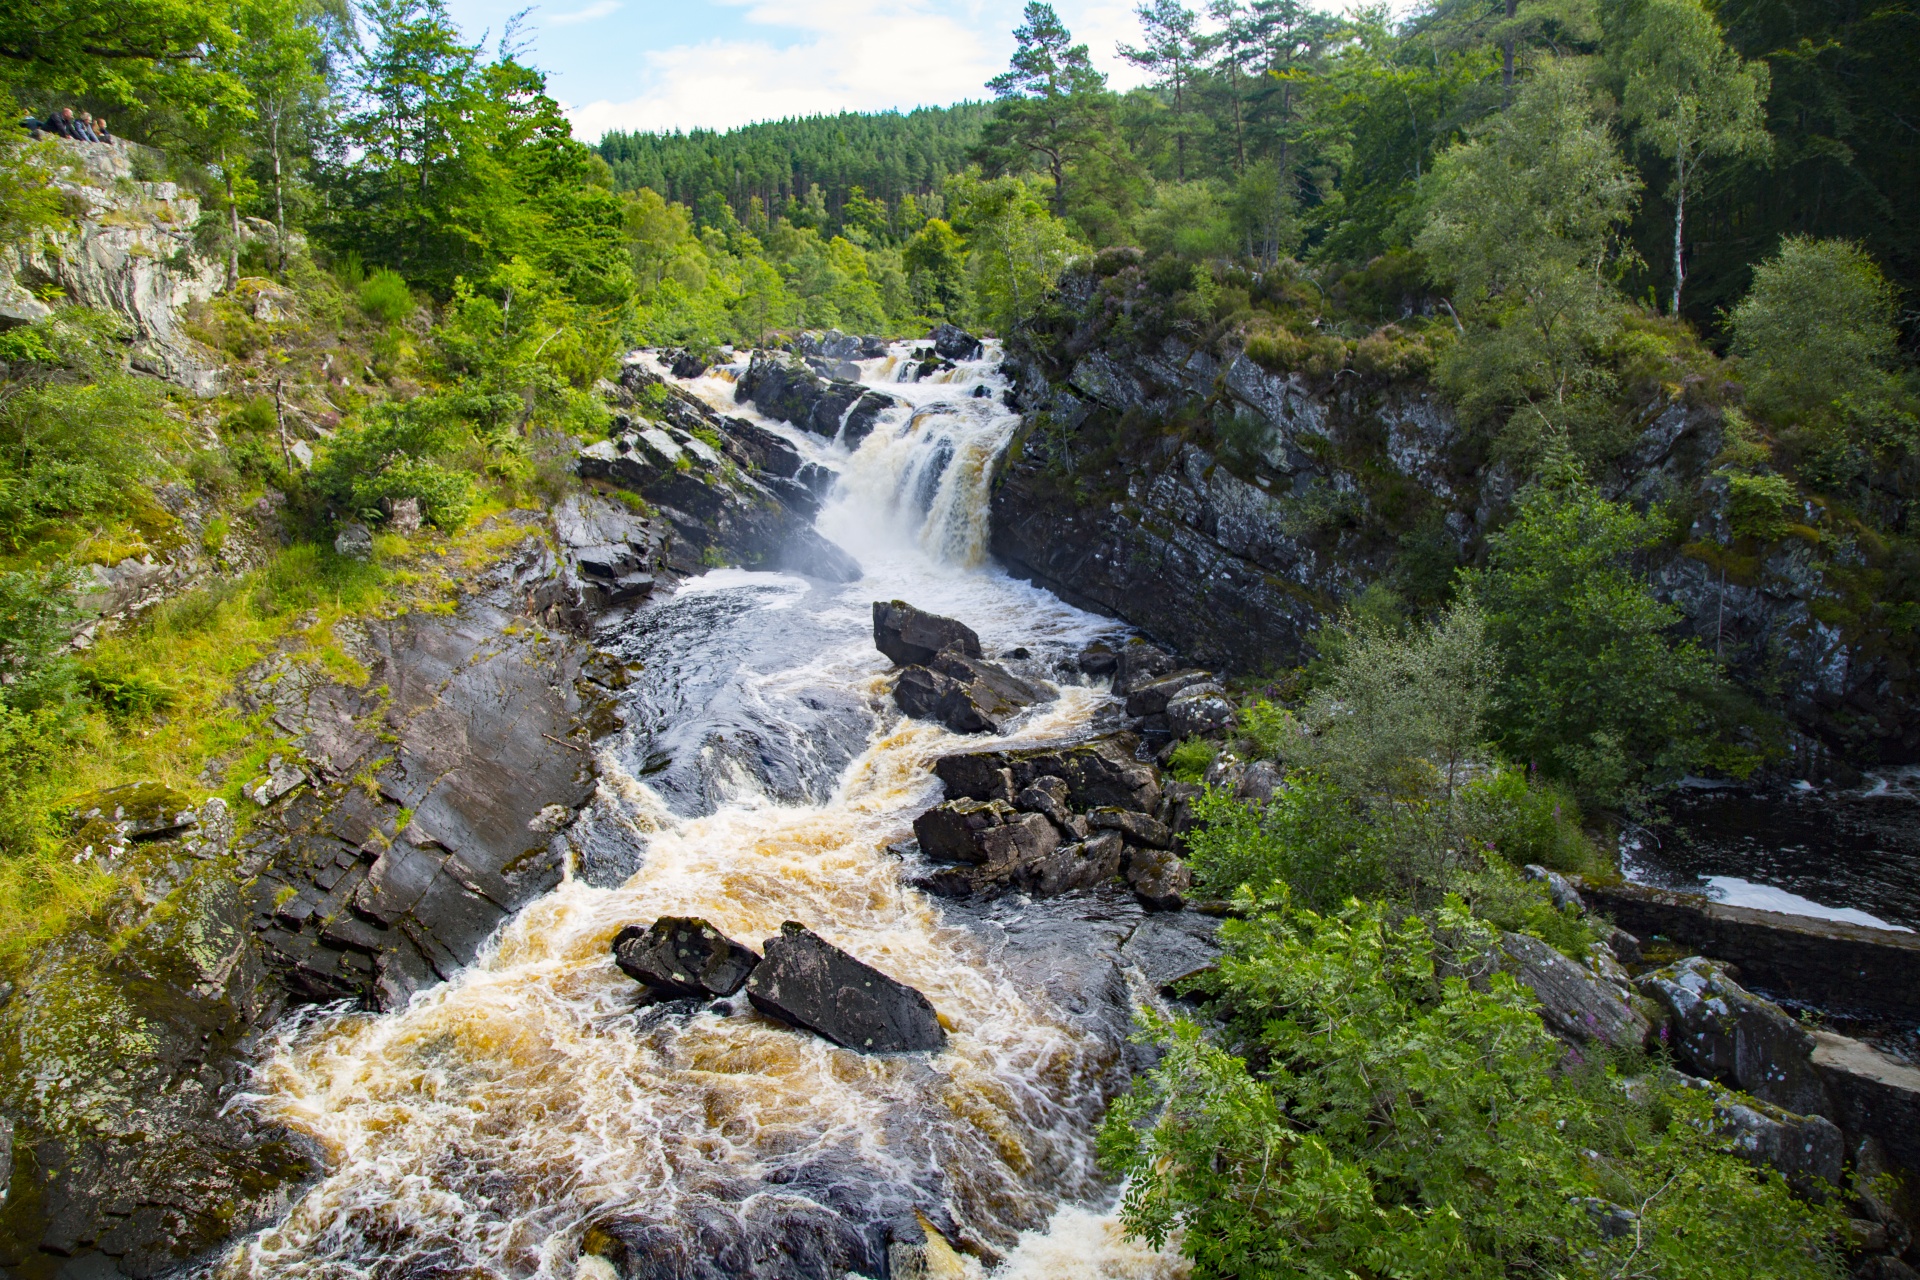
(492, 1126)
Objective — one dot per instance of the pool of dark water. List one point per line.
(1842, 854)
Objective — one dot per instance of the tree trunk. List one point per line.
(233, 225)
(279, 202)
(1506, 51)
(1679, 225)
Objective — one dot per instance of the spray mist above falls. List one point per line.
(526, 1113)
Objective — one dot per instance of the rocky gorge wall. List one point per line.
(1227, 509)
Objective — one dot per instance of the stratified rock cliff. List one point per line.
(1227, 509)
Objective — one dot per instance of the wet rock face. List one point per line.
(476, 751)
(683, 956)
(810, 983)
(834, 407)
(912, 637)
(968, 695)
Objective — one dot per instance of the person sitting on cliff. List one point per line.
(73, 127)
(35, 127)
(100, 130)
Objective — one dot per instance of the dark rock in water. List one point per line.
(954, 343)
(949, 832)
(864, 414)
(931, 695)
(992, 847)
(1138, 663)
(781, 388)
(1575, 1006)
(912, 636)
(1160, 880)
(684, 364)
(1099, 773)
(1149, 695)
(810, 983)
(683, 956)
(1098, 659)
(1048, 796)
(714, 504)
(1138, 828)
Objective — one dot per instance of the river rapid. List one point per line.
(512, 1121)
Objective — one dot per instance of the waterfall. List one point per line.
(501, 1119)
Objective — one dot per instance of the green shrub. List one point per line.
(1367, 1111)
(385, 297)
(76, 435)
(1758, 505)
(1591, 685)
(1188, 761)
(1538, 823)
(1310, 840)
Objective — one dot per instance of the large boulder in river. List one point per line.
(683, 956)
(911, 636)
(1101, 772)
(954, 343)
(968, 695)
(811, 983)
(988, 845)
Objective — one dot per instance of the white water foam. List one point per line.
(487, 1127)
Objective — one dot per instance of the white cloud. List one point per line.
(852, 55)
(599, 9)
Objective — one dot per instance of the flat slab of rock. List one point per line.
(807, 981)
(911, 636)
(1169, 949)
(683, 956)
(1575, 1006)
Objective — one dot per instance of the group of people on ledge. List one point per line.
(64, 124)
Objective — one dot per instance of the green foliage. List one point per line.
(385, 297)
(1050, 104)
(1688, 97)
(1312, 840)
(37, 616)
(76, 432)
(397, 452)
(453, 165)
(1591, 688)
(1190, 759)
(1523, 222)
(1018, 251)
(1400, 716)
(29, 201)
(1758, 505)
(132, 52)
(892, 158)
(1819, 352)
(1402, 1121)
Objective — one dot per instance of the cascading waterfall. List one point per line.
(488, 1127)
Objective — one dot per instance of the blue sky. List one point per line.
(666, 64)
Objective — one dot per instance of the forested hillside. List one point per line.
(886, 156)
